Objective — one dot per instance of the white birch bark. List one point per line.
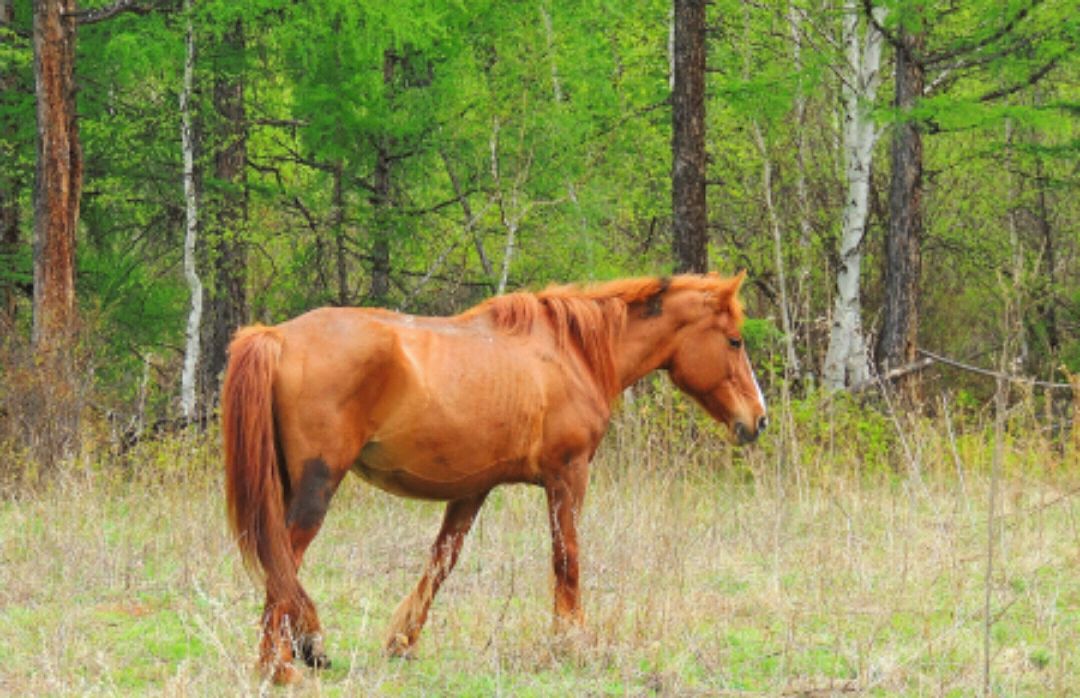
(508, 254)
(510, 221)
(549, 34)
(846, 361)
(191, 274)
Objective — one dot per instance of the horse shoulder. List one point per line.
(576, 415)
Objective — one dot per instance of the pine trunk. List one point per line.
(337, 222)
(898, 341)
(9, 188)
(380, 246)
(227, 302)
(688, 204)
(56, 213)
(59, 174)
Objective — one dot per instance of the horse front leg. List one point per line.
(411, 613)
(565, 496)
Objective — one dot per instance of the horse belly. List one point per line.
(447, 452)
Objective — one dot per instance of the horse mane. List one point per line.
(592, 317)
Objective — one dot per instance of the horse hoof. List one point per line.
(310, 649)
(287, 675)
(399, 647)
(316, 660)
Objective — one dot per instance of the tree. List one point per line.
(226, 302)
(903, 242)
(59, 175)
(847, 359)
(921, 71)
(688, 161)
(189, 374)
(57, 189)
(10, 184)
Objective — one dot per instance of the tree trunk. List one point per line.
(56, 215)
(689, 214)
(549, 36)
(191, 230)
(846, 362)
(59, 174)
(1046, 303)
(380, 246)
(227, 302)
(791, 366)
(805, 229)
(9, 188)
(469, 218)
(898, 340)
(337, 223)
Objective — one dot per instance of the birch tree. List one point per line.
(847, 360)
(191, 227)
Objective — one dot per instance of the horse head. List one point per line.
(709, 361)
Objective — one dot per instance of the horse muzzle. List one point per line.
(747, 435)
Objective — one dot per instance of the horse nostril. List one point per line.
(762, 422)
(743, 433)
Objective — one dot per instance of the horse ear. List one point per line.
(731, 286)
(727, 294)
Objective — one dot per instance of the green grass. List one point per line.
(705, 572)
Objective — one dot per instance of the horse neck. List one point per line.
(647, 343)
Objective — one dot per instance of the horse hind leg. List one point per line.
(408, 620)
(300, 632)
(307, 509)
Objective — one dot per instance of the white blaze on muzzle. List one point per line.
(753, 377)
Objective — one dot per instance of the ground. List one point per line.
(705, 572)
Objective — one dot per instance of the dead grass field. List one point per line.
(777, 571)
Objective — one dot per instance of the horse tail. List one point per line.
(253, 479)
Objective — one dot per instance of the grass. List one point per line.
(781, 570)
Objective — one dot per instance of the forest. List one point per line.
(900, 180)
(891, 176)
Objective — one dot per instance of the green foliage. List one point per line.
(553, 118)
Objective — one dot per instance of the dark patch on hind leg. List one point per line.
(311, 496)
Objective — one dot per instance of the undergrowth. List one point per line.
(844, 552)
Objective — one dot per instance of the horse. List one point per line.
(518, 389)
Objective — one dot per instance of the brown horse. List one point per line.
(517, 389)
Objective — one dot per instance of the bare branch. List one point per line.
(950, 73)
(1031, 80)
(101, 14)
(992, 374)
(893, 39)
(975, 46)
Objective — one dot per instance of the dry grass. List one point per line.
(705, 573)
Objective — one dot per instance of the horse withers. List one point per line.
(518, 389)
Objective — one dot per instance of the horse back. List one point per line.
(430, 407)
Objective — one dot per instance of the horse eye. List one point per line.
(735, 343)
